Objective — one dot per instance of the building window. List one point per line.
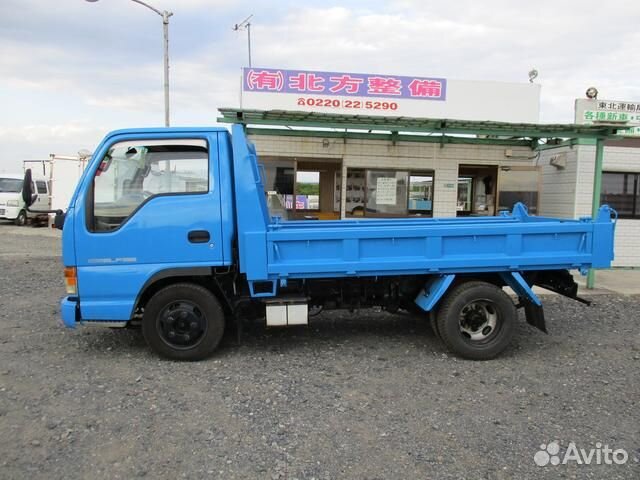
(307, 192)
(465, 189)
(279, 176)
(354, 201)
(621, 191)
(518, 184)
(420, 194)
(388, 193)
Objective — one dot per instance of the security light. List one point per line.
(592, 92)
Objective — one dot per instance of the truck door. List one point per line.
(149, 205)
(42, 200)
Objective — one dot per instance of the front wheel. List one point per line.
(21, 219)
(183, 321)
(477, 320)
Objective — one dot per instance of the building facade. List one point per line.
(373, 178)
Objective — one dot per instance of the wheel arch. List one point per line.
(203, 276)
(439, 287)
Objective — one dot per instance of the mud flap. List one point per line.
(534, 312)
(534, 315)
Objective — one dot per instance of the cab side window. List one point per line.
(133, 173)
(42, 186)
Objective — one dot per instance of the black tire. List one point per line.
(433, 323)
(21, 219)
(476, 320)
(183, 321)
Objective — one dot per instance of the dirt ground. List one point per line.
(364, 395)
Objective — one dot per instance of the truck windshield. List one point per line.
(10, 185)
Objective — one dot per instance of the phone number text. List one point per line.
(337, 103)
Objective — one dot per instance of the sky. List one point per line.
(71, 70)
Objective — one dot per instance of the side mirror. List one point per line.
(58, 220)
(28, 197)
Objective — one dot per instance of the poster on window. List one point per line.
(302, 202)
(386, 190)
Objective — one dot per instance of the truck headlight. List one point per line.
(13, 203)
(71, 280)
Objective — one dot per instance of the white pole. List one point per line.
(249, 41)
(165, 27)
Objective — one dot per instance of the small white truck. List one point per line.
(54, 181)
(12, 205)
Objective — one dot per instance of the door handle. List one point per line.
(199, 236)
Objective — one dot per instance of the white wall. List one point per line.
(558, 189)
(569, 192)
(619, 159)
(410, 155)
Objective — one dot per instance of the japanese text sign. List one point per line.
(589, 111)
(343, 84)
(387, 95)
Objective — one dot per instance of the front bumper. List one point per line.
(70, 311)
(10, 213)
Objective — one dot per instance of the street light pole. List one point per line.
(246, 24)
(165, 30)
(249, 42)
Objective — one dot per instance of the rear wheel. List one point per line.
(433, 322)
(477, 320)
(183, 321)
(21, 219)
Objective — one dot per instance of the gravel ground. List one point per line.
(366, 395)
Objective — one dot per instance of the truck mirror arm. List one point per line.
(58, 220)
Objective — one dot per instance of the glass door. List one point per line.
(465, 195)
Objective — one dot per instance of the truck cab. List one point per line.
(12, 206)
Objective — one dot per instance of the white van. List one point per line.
(11, 204)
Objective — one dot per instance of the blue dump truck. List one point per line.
(171, 230)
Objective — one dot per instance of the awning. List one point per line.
(285, 118)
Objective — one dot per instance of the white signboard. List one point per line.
(388, 95)
(589, 111)
(386, 190)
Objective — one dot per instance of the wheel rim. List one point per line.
(479, 321)
(22, 218)
(182, 325)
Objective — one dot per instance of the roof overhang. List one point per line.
(370, 123)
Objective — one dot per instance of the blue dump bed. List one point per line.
(271, 249)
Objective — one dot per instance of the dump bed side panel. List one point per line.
(513, 243)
